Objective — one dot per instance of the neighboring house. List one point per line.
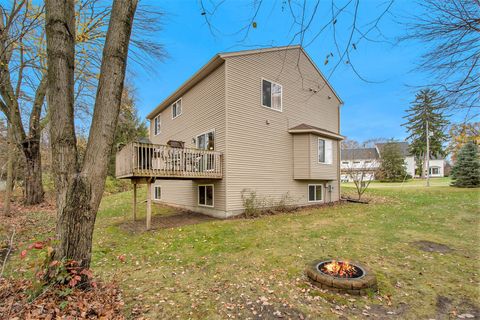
(260, 120)
(359, 155)
(359, 161)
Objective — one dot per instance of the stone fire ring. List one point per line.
(354, 286)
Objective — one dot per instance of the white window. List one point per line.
(205, 195)
(325, 153)
(157, 125)
(206, 141)
(315, 192)
(271, 95)
(434, 170)
(177, 108)
(158, 193)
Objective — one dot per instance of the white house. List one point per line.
(358, 158)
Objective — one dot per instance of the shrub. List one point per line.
(256, 205)
(252, 203)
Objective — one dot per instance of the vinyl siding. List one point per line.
(301, 156)
(260, 150)
(322, 170)
(305, 159)
(203, 109)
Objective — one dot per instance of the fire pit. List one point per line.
(342, 276)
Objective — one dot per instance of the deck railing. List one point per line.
(153, 160)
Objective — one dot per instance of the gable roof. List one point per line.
(217, 61)
(376, 153)
(402, 145)
(306, 128)
(359, 154)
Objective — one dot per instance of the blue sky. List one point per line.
(371, 110)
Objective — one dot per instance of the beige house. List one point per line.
(259, 120)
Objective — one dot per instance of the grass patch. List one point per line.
(246, 267)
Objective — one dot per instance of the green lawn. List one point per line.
(412, 183)
(243, 268)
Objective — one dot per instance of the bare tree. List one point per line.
(349, 144)
(17, 28)
(309, 21)
(450, 29)
(80, 188)
(361, 169)
(362, 174)
(9, 182)
(23, 75)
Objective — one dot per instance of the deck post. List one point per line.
(134, 201)
(149, 204)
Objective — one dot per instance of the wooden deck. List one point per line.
(144, 160)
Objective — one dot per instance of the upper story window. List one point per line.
(325, 153)
(271, 95)
(177, 108)
(157, 124)
(345, 162)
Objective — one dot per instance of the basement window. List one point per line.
(157, 195)
(315, 193)
(205, 195)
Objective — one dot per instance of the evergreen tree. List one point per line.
(428, 106)
(392, 167)
(466, 171)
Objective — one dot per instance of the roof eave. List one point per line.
(317, 132)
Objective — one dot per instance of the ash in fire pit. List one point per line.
(342, 276)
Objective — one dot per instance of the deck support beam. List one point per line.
(134, 201)
(149, 204)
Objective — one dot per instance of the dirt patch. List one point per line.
(447, 308)
(430, 246)
(182, 218)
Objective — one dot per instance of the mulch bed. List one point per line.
(103, 302)
(183, 218)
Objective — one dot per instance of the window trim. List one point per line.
(155, 192)
(205, 133)
(430, 171)
(324, 150)
(181, 108)
(325, 162)
(213, 195)
(158, 120)
(261, 95)
(308, 192)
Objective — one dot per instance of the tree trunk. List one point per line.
(79, 192)
(9, 184)
(423, 174)
(33, 185)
